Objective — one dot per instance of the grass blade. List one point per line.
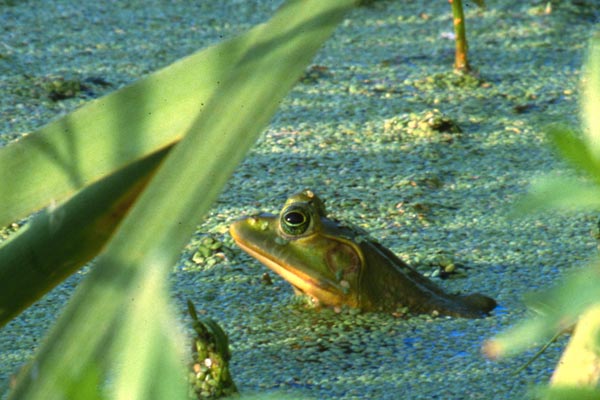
(152, 235)
(150, 356)
(575, 151)
(569, 194)
(52, 163)
(558, 309)
(58, 242)
(591, 97)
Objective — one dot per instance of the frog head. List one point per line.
(305, 248)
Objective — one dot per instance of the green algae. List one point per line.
(420, 195)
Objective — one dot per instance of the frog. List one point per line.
(340, 265)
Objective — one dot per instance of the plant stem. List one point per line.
(461, 62)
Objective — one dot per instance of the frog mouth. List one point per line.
(324, 290)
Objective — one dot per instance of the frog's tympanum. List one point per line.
(340, 265)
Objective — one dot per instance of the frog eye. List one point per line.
(294, 221)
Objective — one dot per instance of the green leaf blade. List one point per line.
(575, 151)
(560, 193)
(59, 241)
(591, 97)
(150, 238)
(557, 309)
(52, 163)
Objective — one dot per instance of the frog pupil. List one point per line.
(295, 221)
(294, 218)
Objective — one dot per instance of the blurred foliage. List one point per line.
(575, 300)
(129, 176)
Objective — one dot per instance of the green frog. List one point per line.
(339, 265)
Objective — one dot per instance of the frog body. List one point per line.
(339, 265)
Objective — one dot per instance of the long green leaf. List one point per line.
(558, 309)
(52, 163)
(59, 241)
(568, 194)
(591, 97)
(150, 238)
(575, 151)
(150, 349)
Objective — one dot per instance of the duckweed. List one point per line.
(331, 135)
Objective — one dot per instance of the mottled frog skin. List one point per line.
(339, 265)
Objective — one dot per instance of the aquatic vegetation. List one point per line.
(210, 377)
(115, 180)
(575, 301)
(369, 179)
(461, 60)
(425, 125)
